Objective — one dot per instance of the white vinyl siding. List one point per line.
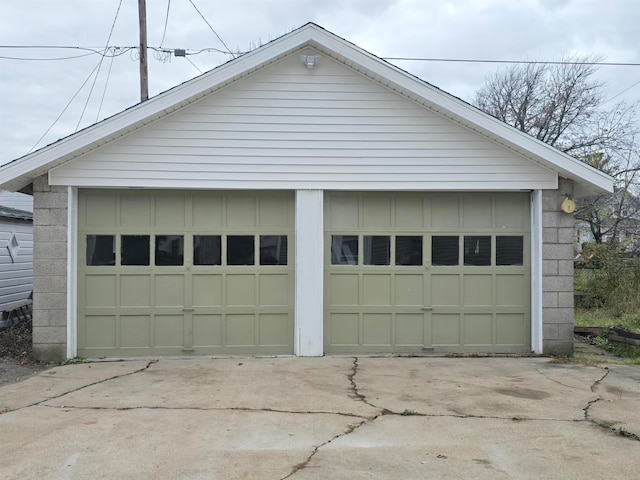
(287, 127)
(16, 275)
(19, 201)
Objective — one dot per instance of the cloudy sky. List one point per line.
(35, 92)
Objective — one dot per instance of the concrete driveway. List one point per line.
(323, 418)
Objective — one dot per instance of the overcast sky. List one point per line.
(33, 93)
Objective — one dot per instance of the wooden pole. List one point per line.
(144, 76)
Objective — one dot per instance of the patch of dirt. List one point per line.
(16, 355)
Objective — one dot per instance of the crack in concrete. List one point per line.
(151, 362)
(204, 409)
(593, 402)
(616, 431)
(557, 381)
(305, 463)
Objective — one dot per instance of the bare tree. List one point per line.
(563, 105)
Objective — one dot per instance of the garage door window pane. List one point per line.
(273, 250)
(240, 250)
(409, 250)
(169, 250)
(101, 250)
(206, 250)
(477, 251)
(344, 250)
(134, 250)
(444, 250)
(509, 251)
(377, 250)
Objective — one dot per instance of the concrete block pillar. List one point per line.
(49, 271)
(557, 271)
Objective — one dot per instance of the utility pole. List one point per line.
(144, 76)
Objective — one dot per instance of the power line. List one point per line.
(123, 49)
(166, 22)
(194, 65)
(64, 109)
(521, 62)
(214, 32)
(95, 79)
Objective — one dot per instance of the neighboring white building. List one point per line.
(306, 198)
(16, 256)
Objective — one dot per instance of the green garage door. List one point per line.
(173, 273)
(415, 273)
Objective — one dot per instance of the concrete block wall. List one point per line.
(558, 231)
(49, 271)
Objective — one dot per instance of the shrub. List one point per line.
(609, 278)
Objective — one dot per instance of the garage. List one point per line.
(306, 198)
(427, 272)
(162, 272)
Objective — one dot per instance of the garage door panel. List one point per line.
(477, 213)
(342, 212)
(511, 290)
(169, 290)
(376, 289)
(168, 331)
(274, 289)
(100, 331)
(445, 290)
(409, 290)
(135, 291)
(207, 330)
(446, 329)
(100, 291)
(511, 328)
(241, 290)
(274, 212)
(135, 211)
(512, 212)
(411, 330)
(478, 329)
(376, 212)
(169, 211)
(409, 212)
(345, 289)
(207, 290)
(376, 329)
(241, 211)
(240, 330)
(344, 329)
(100, 211)
(445, 212)
(207, 212)
(135, 331)
(275, 330)
(477, 290)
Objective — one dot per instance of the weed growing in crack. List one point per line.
(409, 413)
(627, 434)
(73, 361)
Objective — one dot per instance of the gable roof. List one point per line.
(21, 172)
